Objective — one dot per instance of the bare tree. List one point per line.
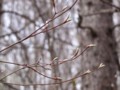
(97, 29)
(32, 49)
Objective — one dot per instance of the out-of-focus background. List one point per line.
(92, 22)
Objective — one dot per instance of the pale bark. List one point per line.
(96, 29)
(116, 18)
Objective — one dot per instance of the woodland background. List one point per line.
(59, 44)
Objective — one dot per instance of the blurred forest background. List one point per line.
(59, 44)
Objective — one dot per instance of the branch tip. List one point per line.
(91, 45)
(101, 65)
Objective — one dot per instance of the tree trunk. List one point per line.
(117, 35)
(0, 14)
(96, 29)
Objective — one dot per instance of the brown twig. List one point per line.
(55, 17)
(65, 81)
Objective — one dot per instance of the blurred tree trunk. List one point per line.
(0, 29)
(1, 73)
(117, 34)
(96, 29)
(0, 14)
